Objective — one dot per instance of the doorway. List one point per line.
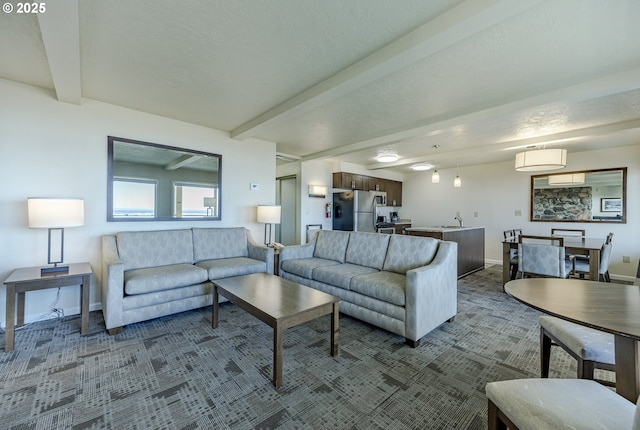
(286, 198)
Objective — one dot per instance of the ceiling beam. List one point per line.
(182, 161)
(459, 23)
(60, 29)
(600, 87)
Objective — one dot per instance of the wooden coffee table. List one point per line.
(280, 304)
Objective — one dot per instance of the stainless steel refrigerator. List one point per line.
(354, 211)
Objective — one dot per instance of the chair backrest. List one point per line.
(508, 234)
(637, 276)
(541, 259)
(573, 232)
(544, 240)
(605, 258)
(609, 238)
(517, 232)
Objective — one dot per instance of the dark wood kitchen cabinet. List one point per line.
(394, 193)
(349, 181)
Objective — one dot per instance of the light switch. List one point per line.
(518, 212)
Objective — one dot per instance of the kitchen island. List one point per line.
(470, 244)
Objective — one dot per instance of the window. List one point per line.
(134, 198)
(189, 200)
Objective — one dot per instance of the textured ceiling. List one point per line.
(338, 79)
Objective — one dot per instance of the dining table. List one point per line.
(608, 307)
(588, 246)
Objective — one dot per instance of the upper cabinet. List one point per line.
(394, 193)
(352, 181)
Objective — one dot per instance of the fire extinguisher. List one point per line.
(327, 210)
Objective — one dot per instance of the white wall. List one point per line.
(495, 191)
(54, 149)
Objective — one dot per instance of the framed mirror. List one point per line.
(151, 182)
(582, 196)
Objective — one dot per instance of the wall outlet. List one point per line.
(518, 212)
(254, 186)
(626, 259)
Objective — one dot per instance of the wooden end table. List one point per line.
(280, 304)
(30, 279)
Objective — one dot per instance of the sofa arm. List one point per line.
(260, 252)
(432, 290)
(295, 252)
(112, 283)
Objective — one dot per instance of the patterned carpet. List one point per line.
(178, 373)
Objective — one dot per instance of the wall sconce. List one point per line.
(317, 191)
(55, 214)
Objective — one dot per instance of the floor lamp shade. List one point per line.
(55, 214)
(268, 215)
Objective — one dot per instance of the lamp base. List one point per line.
(55, 270)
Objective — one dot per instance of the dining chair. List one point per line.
(581, 265)
(543, 256)
(572, 232)
(513, 253)
(592, 349)
(528, 404)
(637, 282)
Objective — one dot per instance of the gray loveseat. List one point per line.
(149, 274)
(404, 284)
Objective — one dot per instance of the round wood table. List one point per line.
(612, 308)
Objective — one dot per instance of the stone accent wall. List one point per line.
(563, 203)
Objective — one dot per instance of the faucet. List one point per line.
(459, 219)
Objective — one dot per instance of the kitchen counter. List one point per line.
(470, 244)
(441, 228)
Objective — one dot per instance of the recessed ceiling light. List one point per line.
(423, 166)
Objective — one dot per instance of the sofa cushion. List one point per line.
(304, 266)
(340, 275)
(213, 243)
(387, 286)
(148, 280)
(367, 249)
(408, 252)
(226, 267)
(331, 245)
(139, 249)
(138, 301)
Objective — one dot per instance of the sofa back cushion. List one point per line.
(140, 249)
(216, 243)
(331, 245)
(367, 249)
(408, 252)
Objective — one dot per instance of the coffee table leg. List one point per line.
(334, 330)
(277, 356)
(214, 308)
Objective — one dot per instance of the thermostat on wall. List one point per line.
(255, 187)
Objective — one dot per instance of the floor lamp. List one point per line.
(268, 215)
(55, 214)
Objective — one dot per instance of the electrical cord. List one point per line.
(59, 312)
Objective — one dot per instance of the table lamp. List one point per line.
(210, 203)
(268, 215)
(55, 214)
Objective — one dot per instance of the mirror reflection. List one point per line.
(583, 196)
(151, 182)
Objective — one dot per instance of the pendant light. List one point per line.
(457, 182)
(435, 176)
(541, 159)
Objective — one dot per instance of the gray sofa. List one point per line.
(404, 284)
(149, 274)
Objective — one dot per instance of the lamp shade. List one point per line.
(567, 179)
(269, 214)
(210, 202)
(317, 191)
(47, 212)
(541, 159)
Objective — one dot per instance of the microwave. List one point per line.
(380, 198)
